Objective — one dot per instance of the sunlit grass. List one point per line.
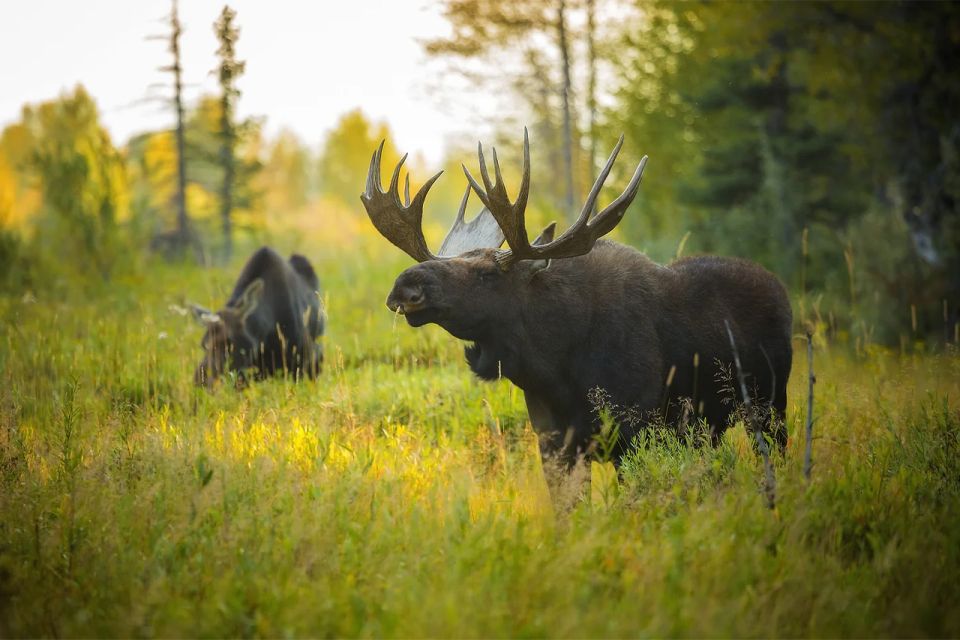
(398, 496)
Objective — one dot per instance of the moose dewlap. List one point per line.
(578, 317)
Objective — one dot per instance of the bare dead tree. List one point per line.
(808, 453)
(175, 242)
(565, 98)
(592, 85)
(183, 224)
(770, 481)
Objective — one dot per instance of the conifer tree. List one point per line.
(228, 71)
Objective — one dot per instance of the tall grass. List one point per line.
(398, 496)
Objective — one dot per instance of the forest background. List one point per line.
(820, 139)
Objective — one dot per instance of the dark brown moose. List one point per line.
(575, 318)
(270, 323)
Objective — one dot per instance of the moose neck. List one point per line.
(497, 356)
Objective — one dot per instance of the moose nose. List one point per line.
(406, 299)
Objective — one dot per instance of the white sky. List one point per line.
(308, 62)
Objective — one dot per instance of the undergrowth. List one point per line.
(398, 496)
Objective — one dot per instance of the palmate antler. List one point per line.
(402, 223)
(575, 241)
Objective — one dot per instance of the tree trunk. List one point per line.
(183, 223)
(226, 191)
(567, 119)
(592, 91)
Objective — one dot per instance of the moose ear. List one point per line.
(545, 237)
(250, 298)
(202, 314)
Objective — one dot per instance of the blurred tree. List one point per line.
(345, 157)
(81, 177)
(184, 236)
(227, 71)
(287, 179)
(18, 188)
(764, 120)
(536, 32)
(154, 169)
(8, 189)
(591, 37)
(650, 108)
(886, 77)
(204, 156)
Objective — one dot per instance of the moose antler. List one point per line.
(401, 223)
(481, 232)
(575, 241)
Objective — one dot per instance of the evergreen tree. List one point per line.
(227, 72)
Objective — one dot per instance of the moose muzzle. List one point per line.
(406, 299)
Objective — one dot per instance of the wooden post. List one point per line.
(808, 454)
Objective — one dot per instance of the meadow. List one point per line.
(397, 496)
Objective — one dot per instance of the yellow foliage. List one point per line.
(8, 188)
(160, 165)
(346, 155)
(19, 198)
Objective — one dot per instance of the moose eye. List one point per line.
(489, 276)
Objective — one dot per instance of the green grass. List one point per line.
(398, 496)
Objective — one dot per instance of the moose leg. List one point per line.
(553, 438)
(561, 441)
(542, 420)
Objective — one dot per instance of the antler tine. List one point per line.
(483, 167)
(395, 180)
(604, 222)
(373, 174)
(406, 190)
(525, 173)
(591, 202)
(463, 206)
(496, 168)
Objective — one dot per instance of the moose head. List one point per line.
(227, 343)
(472, 288)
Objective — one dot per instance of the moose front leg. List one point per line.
(559, 441)
(549, 435)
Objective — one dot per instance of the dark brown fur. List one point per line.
(612, 320)
(270, 323)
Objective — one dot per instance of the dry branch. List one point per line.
(808, 454)
(770, 481)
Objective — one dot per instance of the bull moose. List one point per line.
(270, 323)
(565, 318)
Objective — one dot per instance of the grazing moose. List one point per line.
(563, 318)
(270, 323)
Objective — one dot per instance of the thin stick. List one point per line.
(808, 455)
(770, 481)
